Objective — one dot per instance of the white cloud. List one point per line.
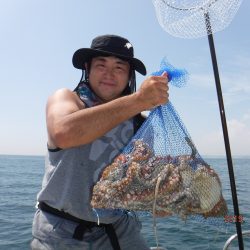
(202, 80)
(211, 144)
(239, 136)
(241, 61)
(235, 80)
(236, 87)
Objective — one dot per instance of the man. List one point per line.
(87, 129)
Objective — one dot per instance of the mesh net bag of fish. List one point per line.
(160, 171)
(188, 18)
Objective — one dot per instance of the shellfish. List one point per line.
(164, 185)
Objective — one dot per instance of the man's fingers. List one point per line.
(164, 74)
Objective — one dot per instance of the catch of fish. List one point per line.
(164, 185)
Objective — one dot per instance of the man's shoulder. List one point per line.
(65, 95)
(62, 94)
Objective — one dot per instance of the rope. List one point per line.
(154, 208)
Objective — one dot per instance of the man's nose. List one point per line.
(109, 72)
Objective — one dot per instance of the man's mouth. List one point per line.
(109, 84)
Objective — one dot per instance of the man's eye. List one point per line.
(120, 68)
(100, 65)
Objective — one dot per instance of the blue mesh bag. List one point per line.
(160, 171)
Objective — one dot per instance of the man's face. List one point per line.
(108, 76)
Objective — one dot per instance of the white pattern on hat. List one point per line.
(128, 45)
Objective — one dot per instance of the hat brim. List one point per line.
(81, 56)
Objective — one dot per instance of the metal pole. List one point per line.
(225, 131)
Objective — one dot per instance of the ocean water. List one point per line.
(21, 177)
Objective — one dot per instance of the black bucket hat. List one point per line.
(108, 45)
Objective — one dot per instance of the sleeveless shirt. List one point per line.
(70, 174)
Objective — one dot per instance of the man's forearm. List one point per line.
(86, 125)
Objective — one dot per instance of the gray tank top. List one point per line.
(70, 174)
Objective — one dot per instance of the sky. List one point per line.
(39, 37)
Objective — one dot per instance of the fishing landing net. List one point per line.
(197, 18)
(160, 171)
(189, 18)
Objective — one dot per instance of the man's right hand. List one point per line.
(153, 91)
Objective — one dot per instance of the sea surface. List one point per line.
(21, 177)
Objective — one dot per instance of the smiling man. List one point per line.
(108, 76)
(87, 129)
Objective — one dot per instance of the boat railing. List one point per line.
(157, 248)
(233, 237)
(227, 244)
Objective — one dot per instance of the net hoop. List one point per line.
(188, 19)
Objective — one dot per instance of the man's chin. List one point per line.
(108, 97)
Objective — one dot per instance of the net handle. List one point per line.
(224, 128)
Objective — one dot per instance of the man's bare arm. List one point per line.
(70, 124)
